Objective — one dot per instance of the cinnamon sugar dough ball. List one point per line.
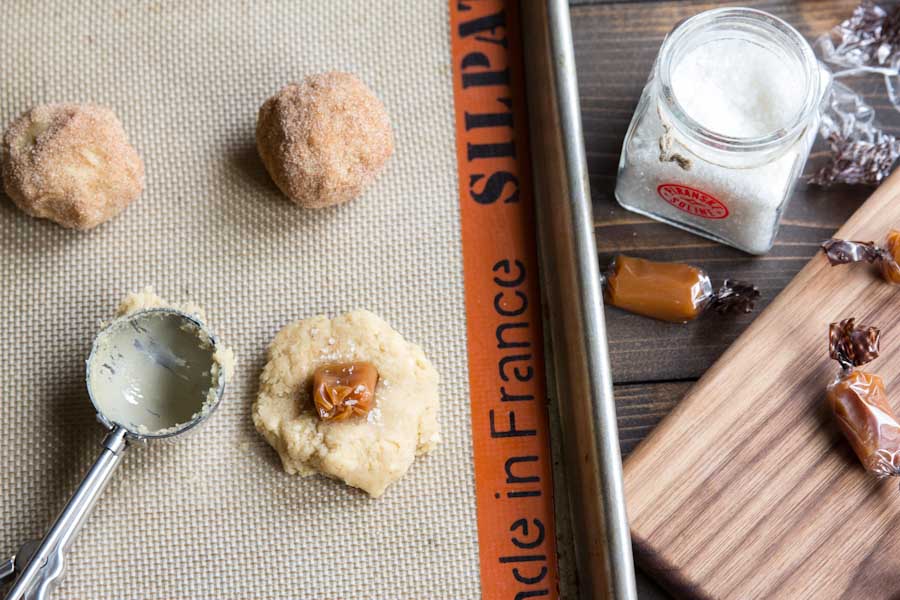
(70, 163)
(325, 139)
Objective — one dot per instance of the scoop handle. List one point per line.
(46, 566)
(7, 569)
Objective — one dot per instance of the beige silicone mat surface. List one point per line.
(213, 515)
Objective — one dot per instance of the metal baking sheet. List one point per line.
(213, 515)
(572, 287)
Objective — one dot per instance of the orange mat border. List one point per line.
(510, 427)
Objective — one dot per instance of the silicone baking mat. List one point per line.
(213, 515)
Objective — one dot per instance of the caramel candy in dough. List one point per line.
(342, 390)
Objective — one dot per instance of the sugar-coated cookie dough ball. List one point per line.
(368, 451)
(325, 139)
(70, 163)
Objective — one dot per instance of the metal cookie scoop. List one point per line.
(151, 374)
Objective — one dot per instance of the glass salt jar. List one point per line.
(724, 127)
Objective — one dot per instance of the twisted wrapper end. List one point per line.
(852, 346)
(842, 252)
(887, 464)
(735, 296)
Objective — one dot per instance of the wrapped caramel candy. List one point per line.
(671, 291)
(840, 252)
(342, 390)
(859, 402)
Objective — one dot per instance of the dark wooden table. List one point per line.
(655, 363)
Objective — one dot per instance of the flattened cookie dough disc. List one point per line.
(368, 452)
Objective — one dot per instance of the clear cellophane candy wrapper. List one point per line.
(842, 252)
(859, 401)
(671, 291)
(853, 148)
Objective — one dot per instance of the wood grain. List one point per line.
(615, 45)
(747, 490)
(642, 406)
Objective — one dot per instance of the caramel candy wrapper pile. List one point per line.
(344, 390)
(841, 252)
(859, 402)
(671, 291)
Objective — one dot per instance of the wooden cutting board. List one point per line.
(747, 490)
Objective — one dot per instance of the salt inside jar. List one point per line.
(723, 128)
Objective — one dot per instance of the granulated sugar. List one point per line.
(734, 88)
(737, 88)
(753, 197)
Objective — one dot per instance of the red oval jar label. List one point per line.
(692, 201)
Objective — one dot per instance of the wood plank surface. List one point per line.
(748, 490)
(654, 364)
(615, 46)
(641, 406)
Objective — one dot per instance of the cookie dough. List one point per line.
(368, 452)
(147, 298)
(71, 164)
(325, 139)
(159, 422)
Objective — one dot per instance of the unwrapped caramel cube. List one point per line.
(342, 390)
